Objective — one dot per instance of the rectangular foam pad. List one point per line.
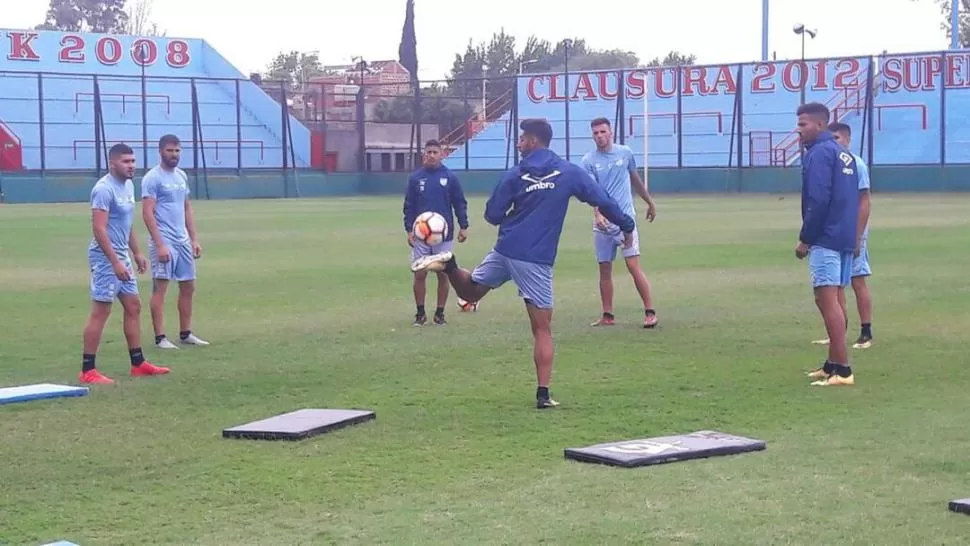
(298, 425)
(960, 505)
(665, 449)
(40, 391)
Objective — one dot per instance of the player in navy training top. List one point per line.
(529, 206)
(861, 269)
(435, 188)
(110, 254)
(829, 234)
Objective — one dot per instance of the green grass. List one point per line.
(308, 304)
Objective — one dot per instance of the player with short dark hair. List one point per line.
(614, 167)
(860, 262)
(173, 245)
(436, 188)
(828, 237)
(529, 206)
(109, 259)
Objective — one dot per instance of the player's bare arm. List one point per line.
(865, 202)
(148, 215)
(640, 187)
(99, 227)
(190, 227)
(140, 262)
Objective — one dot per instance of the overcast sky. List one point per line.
(251, 37)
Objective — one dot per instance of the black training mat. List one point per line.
(665, 449)
(299, 425)
(962, 506)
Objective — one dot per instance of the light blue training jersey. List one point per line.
(863, 185)
(169, 189)
(611, 170)
(117, 198)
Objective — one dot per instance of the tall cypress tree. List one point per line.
(408, 51)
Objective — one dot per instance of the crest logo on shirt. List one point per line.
(847, 161)
(443, 181)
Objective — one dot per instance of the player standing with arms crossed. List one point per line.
(615, 169)
(109, 258)
(860, 263)
(830, 213)
(173, 245)
(529, 206)
(433, 187)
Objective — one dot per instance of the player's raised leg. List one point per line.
(461, 280)
(830, 271)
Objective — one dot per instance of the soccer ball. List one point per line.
(430, 228)
(467, 306)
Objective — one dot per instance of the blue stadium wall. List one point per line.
(920, 107)
(915, 133)
(47, 101)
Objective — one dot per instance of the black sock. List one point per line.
(451, 264)
(542, 393)
(439, 311)
(867, 329)
(185, 334)
(137, 357)
(87, 362)
(843, 370)
(649, 312)
(828, 367)
(159, 338)
(608, 315)
(420, 310)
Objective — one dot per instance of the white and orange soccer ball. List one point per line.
(430, 228)
(467, 306)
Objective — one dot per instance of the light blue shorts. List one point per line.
(180, 266)
(105, 285)
(533, 280)
(605, 245)
(420, 249)
(860, 263)
(829, 267)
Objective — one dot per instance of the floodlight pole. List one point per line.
(764, 29)
(955, 24)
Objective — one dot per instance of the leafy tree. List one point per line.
(139, 19)
(408, 50)
(946, 9)
(497, 63)
(674, 58)
(294, 68)
(104, 16)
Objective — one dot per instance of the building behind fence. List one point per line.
(67, 97)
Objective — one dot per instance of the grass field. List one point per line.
(308, 304)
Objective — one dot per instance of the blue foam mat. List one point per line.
(40, 391)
